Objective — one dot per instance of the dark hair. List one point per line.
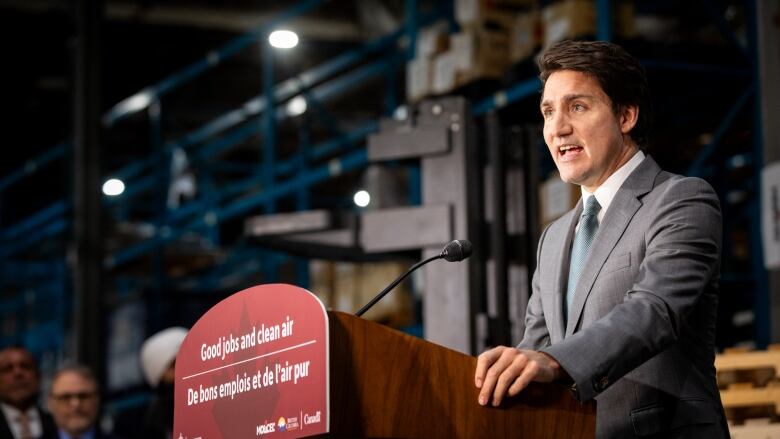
(619, 74)
(18, 347)
(78, 369)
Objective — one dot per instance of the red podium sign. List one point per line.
(255, 365)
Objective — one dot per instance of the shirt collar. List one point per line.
(12, 412)
(606, 192)
(12, 417)
(89, 434)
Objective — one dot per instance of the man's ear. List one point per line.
(629, 115)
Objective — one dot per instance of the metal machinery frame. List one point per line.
(442, 138)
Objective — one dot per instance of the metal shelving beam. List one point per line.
(268, 119)
(39, 218)
(604, 20)
(53, 228)
(762, 38)
(508, 96)
(697, 168)
(32, 166)
(29, 272)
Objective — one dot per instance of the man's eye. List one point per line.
(546, 113)
(578, 107)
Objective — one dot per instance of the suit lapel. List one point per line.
(5, 429)
(614, 224)
(563, 254)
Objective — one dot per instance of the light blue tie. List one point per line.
(589, 225)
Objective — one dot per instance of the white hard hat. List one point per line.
(159, 351)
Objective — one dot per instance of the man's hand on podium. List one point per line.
(507, 371)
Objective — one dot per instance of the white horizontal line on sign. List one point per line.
(251, 359)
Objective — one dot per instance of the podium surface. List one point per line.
(384, 383)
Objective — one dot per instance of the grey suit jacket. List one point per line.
(641, 330)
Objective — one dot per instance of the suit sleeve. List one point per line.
(682, 255)
(536, 334)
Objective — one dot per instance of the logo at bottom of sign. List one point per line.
(290, 423)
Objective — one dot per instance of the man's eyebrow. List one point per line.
(567, 98)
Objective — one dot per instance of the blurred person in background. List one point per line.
(19, 387)
(74, 402)
(158, 362)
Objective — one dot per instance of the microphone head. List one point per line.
(457, 250)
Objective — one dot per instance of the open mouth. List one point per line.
(569, 150)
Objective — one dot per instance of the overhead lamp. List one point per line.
(296, 106)
(362, 198)
(113, 187)
(283, 39)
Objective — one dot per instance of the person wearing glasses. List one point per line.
(19, 386)
(74, 403)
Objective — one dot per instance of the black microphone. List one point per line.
(455, 251)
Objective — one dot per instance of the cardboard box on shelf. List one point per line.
(419, 76)
(748, 383)
(395, 309)
(432, 40)
(515, 3)
(347, 286)
(444, 71)
(480, 53)
(483, 14)
(568, 19)
(474, 54)
(321, 275)
(525, 35)
(625, 19)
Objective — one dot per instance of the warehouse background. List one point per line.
(241, 161)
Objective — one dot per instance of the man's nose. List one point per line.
(559, 124)
(74, 402)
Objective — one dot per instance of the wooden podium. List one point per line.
(384, 383)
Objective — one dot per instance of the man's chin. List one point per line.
(571, 178)
(22, 400)
(78, 429)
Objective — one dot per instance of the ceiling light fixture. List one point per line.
(283, 39)
(296, 106)
(113, 187)
(362, 198)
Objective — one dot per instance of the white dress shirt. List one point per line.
(606, 192)
(12, 415)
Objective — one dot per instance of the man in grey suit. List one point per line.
(625, 291)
